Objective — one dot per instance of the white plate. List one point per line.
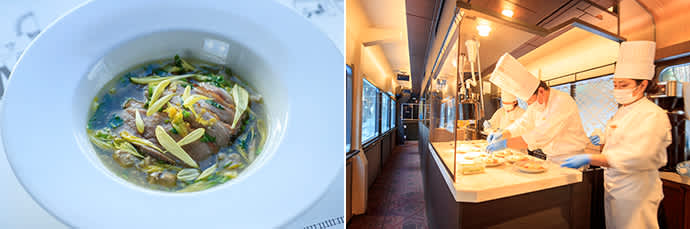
(296, 68)
(500, 161)
(519, 166)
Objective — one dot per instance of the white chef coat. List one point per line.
(502, 118)
(557, 131)
(635, 148)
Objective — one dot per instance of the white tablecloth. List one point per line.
(21, 21)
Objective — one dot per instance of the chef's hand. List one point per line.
(494, 136)
(496, 146)
(595, 140)
(487, 125)
(577, 161)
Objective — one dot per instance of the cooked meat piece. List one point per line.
(221, 131)
(163, 178)
(220, 95)
(125, 159)
(150, 122)
(225, 115)
(199, 151)
(156, 154)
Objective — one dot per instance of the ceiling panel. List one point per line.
(529, 11)
(573, 51)
(388, 30)
(419, 16)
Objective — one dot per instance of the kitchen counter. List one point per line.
(503, 197)
(504, 180)
(675, 177)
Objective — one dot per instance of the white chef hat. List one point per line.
(636, 60)
(507, 97)
(514, 78)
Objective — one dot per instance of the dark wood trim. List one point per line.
(673, 51)
(371, 142)
(348, 187)
(574, 74)
(351, 154)
(661, 65)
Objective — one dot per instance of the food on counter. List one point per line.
(491, 161)
(516, 157)
(502, 154)
(532, 166)
(474, 156)
(473, 167)
(177, 125)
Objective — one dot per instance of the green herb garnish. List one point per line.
(116, 121)
(213, 103)
(208, 138)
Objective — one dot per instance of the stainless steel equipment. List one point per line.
(670, 97)
(669, 89)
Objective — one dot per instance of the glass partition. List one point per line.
(453, 91)
(443, 116)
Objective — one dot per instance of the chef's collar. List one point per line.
(633, 104)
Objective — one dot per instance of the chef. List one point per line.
(551, 122)
(635, 142)
(505, 115)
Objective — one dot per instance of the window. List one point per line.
(410, 111)
(393, 122)
(677, 72)
(385, 112)
(369, 111)
(595, 102)
(563, 87)
(348, 107)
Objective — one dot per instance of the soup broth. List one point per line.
(177, 125)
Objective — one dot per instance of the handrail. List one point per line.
(351, 154)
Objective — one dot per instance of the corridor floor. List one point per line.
(396, 199)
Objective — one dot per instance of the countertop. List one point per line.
(502, 181)
(675, 177)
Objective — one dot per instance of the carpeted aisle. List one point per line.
(396, 199)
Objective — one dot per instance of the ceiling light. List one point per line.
(507, 13)
(610, 9)
(483, 30)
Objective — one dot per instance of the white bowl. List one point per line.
(295, 67)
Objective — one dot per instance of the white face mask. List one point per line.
(508, 106)
(624, 96)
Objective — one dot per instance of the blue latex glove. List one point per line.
(595, 140)
(494, 136)
(577, 161)
(496, 146)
